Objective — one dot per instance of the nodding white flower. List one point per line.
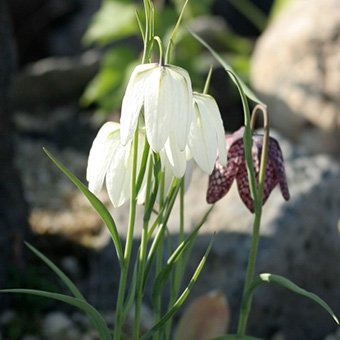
(165, 95)
(111, 161)
(206, 137)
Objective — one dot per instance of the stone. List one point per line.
(53, 81)
(57, 207)
(57, 325)
(295, 71)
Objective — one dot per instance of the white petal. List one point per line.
(119, 175)
(133, 100)
(157, 107)
(101, 153)
(142, 192)
(176, 157)
(188, 174)
(202, 138)
(181, 113)
(215, 118)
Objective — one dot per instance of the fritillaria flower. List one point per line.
(111, 161)
(222, 177)
(206, 138)
(163, 93)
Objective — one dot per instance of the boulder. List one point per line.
(295, 70)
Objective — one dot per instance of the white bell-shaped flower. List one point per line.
(206, 137)
(164, 94)
(111, 161)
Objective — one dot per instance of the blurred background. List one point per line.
(64, 65)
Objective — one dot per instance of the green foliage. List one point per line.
(109, 84)
(283, 282)
(96, 204)
(115, 26)
(114, 20)
(182, 298)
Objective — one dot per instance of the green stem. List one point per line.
(247, 298)
(173, 35)
(207, 81)
(178, 275)
(245, 305)
(129, 240)
(142, 255)
(159, 256)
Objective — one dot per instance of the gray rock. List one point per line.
(54, 81)
(57, 325)
(295, 70)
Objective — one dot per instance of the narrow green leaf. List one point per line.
(282, 281)
(161, 220)
(69, 284)
(234, 77)
(92, 313)
(236, 337)
(96, 204)
(163, 276)
(180, 301)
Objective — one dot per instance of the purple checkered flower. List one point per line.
(222, 177)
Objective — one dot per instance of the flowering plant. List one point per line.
(146, 159)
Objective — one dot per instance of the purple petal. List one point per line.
(243, 188)
(220, 181)
(275, 154)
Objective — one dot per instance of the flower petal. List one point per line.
(216, 120)
(177, 159)
(276, 154)
(221, 180)
(157, 107)
(181, 110)
(133, 100)
(101, 153)
(119, 175)
(202, 139)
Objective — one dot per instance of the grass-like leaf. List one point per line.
(69, 284)
(180, 301)
(235, 78)
(96, 204)
(282, 281)
(163, 276)
(93, 314)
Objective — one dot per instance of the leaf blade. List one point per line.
(234, 77)
(181, 299)
(69, 284)
(286, 283)
(91, 312)
(95, 202)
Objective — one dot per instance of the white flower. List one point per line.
(165, 95)
(112, 161)
(206, 137)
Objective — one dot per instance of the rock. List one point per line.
(57, 325)
(295, 70)
(54, 80)
(57, 206)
